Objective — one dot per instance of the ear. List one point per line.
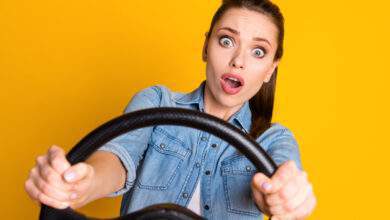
(271, 71)
(204, 50)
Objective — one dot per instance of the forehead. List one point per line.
(249, 23)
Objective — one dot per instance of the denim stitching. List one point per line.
(229, 208)
(171, 137)
(188, 177)
(164, 187)
(228, 164)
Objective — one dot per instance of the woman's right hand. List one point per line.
(54, 182)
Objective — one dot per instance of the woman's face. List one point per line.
(241, 48)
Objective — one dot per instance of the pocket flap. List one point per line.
(165, 143)
(237, 165)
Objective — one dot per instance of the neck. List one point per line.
(213, 107)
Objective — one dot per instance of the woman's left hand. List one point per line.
(287, 195)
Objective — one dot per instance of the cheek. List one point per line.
(256, 76)
(254, 86)
(218, 60)
(218, 57)
(258, 71)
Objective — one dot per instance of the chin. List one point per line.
(229, 101)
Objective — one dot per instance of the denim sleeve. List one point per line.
(282, 145)
(130, 147)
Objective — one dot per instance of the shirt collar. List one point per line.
(242, 117)
(194, 97)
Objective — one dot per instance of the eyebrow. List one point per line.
(238, 33)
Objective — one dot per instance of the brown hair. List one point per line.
(262, 103)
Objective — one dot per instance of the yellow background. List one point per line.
(68, 66)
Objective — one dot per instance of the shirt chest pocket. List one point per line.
(237, 173)
(163, 159)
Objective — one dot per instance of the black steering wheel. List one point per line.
(161, 116)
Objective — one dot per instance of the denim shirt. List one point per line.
(164, 163)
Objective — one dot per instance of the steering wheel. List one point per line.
(161, 116)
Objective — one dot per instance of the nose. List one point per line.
(238, 60)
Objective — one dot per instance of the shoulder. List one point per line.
(280, 144)
(150, 97)
(276, 134)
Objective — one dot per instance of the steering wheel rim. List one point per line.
(162, 116)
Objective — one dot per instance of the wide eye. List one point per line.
(226, 41)
(259, 52)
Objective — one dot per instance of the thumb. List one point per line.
(77, 172)
(262, 183)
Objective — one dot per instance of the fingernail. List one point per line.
(266, 186)
(69, 176)
(73, 196)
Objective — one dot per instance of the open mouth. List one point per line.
(233, 80)
(234, 83)
(231, 83)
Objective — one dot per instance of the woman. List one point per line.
(192, 168)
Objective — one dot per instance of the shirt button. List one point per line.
(185, 195)
(206, 207)
(207, 172)
(197, 165)
(204, 138)
(214, 145)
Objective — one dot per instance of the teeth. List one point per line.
(234, 79)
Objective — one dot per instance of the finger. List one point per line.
(40, 160)
(286, 171)
(289, 196)
(307, 208)
(79, 190)
(288, 191)
(57, 159)
(257, 195)
(46, 188)
(36, 195)
(303, 193)
(51, 191)
(83, 184)
(31, 190)
(48, 174)
(304, 210)
(77, 172)
(277, 210)
(261, 183)
(51, 202)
